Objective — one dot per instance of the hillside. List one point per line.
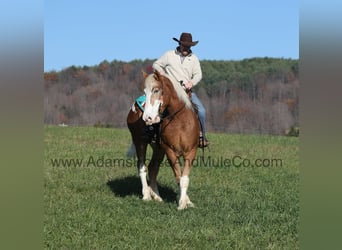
(256, 95)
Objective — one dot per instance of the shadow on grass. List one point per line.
(131, 185)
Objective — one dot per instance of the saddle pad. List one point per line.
(141, 102)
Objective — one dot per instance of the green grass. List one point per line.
(100, 207)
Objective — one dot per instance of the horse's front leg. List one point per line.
(184, 200)
(181, 178)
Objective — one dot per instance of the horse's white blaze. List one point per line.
(151, 112)
(145, 188)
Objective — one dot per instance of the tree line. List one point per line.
(256, 95)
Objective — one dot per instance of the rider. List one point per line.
(183, 66)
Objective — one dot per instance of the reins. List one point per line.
(170, 116)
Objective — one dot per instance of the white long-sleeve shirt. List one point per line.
(178, 67)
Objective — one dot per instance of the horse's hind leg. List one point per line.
(130, 153)
(141, 154)
(153, 169)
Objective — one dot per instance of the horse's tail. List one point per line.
(131, 152)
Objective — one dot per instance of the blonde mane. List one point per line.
(182, 95)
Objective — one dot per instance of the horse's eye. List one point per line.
(155, 91)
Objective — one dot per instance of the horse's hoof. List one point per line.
(147, 198)
(155, 194)
(190, 204)
(186, 206)
(185, 202)
(181, 208)
(157, 198)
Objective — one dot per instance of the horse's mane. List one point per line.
(182, 95)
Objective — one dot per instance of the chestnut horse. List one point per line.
(178, 134)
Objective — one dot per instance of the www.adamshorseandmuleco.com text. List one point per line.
(235, 161)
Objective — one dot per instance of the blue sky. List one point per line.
(87, 32)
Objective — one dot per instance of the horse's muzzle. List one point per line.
(150, 121)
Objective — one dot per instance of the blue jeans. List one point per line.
(201, 111)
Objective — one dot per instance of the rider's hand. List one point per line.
(188, 85)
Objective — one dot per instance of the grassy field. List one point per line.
(92, 194)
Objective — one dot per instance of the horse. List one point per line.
(171, 111)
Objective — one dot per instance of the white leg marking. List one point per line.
(145, 188)
(184, 200)
(155, 192)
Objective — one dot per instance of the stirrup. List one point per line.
(203, 142)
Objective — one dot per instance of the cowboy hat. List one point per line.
(186, 40)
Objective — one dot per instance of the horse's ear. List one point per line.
(144, 73)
